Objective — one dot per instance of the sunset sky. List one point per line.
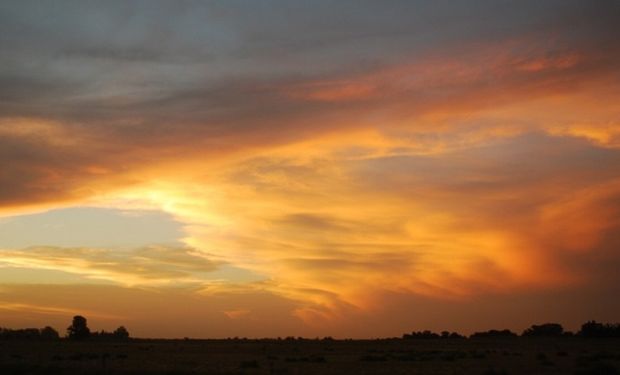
(309, 168)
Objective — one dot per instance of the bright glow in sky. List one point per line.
(307, 168)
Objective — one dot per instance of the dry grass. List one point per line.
(482, 356)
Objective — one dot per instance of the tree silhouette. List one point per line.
(78, 329)
(49, 333)
(121, 333)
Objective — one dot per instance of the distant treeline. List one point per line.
(47, 333)
(588, 329)
(78, 330)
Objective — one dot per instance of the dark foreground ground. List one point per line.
(445, 356)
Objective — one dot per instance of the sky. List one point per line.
(293, 168)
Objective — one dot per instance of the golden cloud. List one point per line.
(439, 176)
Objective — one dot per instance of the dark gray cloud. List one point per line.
(88, 61)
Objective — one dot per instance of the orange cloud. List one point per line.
(237, 314)
(333, 91)
(559, 62)
(440, 176)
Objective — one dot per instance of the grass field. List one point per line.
(445, 356)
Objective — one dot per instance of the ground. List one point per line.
(439, 356)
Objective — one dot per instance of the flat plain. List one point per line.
(240, 356)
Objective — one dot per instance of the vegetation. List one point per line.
(432, 335)
(548, 355)
(590, 329)
(545, 349)
(494, 333)
(47, 333)
(544, 330)
(594, 329)
(79, 330)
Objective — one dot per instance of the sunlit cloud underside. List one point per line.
(407, 165)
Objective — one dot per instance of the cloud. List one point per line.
(51, 310)
(148, 266)
(413, 149)
(237, 314)
(102, 134)
(495, 217)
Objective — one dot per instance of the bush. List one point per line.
(594, 329)
(493, 333)
(544, 330)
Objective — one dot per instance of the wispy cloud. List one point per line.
(147, 266)
(418, 149)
